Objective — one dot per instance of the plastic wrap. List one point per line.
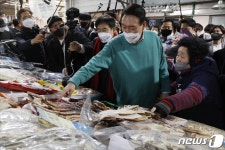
(82, 93)
(145, 139)
(7, 62)
(12, 74)
(56, 138)
(103, 135)
(17, 123)
(12, 114)
(19, 129)
(17, 96)
(86, 118)
(154, 125)
(57, 77)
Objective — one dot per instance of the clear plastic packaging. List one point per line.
(55, 138)
(19, 129)
(145, 139)
(18, 114)
(86, 118)
(103, 135)
(49, 76)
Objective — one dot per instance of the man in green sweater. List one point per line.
(135, 60)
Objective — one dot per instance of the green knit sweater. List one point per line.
(139, 71)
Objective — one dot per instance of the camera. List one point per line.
(72, 13)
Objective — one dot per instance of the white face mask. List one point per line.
(2, 29)
(131, 37)
(29, 23)
(207, 36)
(5, 20)
(155, 32)
(105, 37)
(199, 33)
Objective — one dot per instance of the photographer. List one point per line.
(67, 51)
(71, 14)
(85, 22)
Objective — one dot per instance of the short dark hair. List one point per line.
(199, 26)
(155, 26)
(135, 10)
(197, 48)
(15, 22)
(208, 27)
(85, 16)
(18, 15)
(10, 23)
(52, 20)
(106, 19)
(217, 26)
(2, 13)
(168, 20)
(112, 15)
(191, 22)
(176, 27)
(72, 13)
(2, 23)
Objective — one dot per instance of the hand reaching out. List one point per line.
(38, 39)
(75, 46)
(68, 90)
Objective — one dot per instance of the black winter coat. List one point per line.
(32, 53)
(6, 35)
(55, 55)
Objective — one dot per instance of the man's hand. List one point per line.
(68, 90)
(75, 46)
(38, 39)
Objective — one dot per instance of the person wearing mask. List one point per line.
(135, 60)
(116, 17)
(29, 40)
(187, 26)
(16, 26)
(167, 29)
(155, 29)
(176, 28)
(85, 22)
(10, 24)
(7, 28)
(198, 29)
(207, 36)
(102, 81)
(72, 15)
(4, 34)
(197, 96)
(217, 33)
(66, 51)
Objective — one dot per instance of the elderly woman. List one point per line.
(198, 95)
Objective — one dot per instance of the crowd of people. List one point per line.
(171, 69)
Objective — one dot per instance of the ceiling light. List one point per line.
(219, 6)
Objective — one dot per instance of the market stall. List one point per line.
(33, 117)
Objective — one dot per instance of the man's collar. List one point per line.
(142, 37)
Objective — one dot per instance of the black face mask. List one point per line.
(216, 36)
(59, 32)
(166, 32)
(84, 25)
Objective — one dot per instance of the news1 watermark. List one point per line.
(215, 141)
